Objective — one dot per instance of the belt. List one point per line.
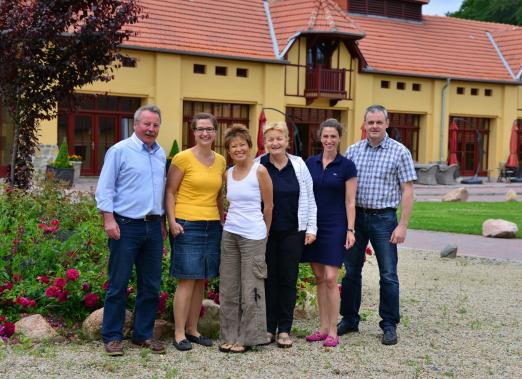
(145, 218)
(375, 211)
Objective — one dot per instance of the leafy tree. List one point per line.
(504, 11)
(47, 49)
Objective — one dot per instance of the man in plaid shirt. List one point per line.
(385, 175)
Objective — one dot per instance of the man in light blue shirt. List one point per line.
(130, 197)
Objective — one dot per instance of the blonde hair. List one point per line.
(276, 125)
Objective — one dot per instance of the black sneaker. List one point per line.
(389, 337)
(343, 328)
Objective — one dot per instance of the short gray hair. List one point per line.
(149, 107)
(376, 109)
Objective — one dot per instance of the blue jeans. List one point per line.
(376, 228)
(140, 244)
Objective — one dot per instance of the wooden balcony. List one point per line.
(325, 83)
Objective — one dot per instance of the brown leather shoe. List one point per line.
(156, 347)
(114, 348)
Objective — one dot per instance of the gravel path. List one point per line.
(460, 318)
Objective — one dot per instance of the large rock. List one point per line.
(458, 194)
(499, 229)
(36, 328)
(91, 327)
(511, 195)
(163, 329)
(307, 309)
(209, 324)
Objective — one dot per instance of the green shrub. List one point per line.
(173, 150)
(62, 159)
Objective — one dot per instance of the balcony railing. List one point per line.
(326, 83)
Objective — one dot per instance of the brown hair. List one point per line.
(331, 123)
(203, 116)
(237, 131)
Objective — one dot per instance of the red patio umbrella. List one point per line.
(513, 147)
(363, 132)
(260, 140)
(452, 159)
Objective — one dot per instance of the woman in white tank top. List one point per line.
(243, 268)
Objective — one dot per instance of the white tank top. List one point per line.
(244, 216)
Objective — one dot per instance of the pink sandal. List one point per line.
(331, 341)
(316, 336)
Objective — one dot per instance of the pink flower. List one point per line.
(55, 222)
(63, 296)
(90, 300)
(164, 296)
(86, 286)
(60, 282)
(130, 290)
(105, 285)
(23, 301)
(43, 279)
(72, 274)
(52, 291)
(32, 303)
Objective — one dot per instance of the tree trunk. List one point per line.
(14, 153)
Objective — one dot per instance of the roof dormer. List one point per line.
(404, 9)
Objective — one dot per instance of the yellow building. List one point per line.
(305, 61)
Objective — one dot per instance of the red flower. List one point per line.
(105, 285)
(130, 290)
(86, 286)
(7, 329)
(23, 301)
(90, 300)
(55, 222)
(43, 279)
(72, 274)
(17, 277)
(52, 291)
(32, 303)
(369, 250)
(201, 311)
(2, 318)
(164, 296)
(63, 296)
(60, 282)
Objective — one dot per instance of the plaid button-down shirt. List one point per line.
(380, 172)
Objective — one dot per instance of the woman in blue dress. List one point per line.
(335, 185)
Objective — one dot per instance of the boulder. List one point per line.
(458, 194)
(163, 329)
(209, 323)
(307, 309)
(511, 195)
(449, 251)
(36, 328)
(91, 326)
(499, 229)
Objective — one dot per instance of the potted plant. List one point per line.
(173, 151)
(76, 161)
(61, 169)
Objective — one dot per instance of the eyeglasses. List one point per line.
(208, 130)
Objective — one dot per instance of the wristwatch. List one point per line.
(350, 230)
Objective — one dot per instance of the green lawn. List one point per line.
(466, 217)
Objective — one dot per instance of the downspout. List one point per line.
(443, 118)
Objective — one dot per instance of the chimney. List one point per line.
(343, 4)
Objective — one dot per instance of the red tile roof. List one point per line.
(510, 44)
(291, 17)
(235, 28)
(437, 47)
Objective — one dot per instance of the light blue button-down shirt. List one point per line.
(132, 180)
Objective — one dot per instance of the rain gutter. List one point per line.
(275, 45)
(504, 62)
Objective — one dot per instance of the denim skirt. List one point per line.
(196, 252)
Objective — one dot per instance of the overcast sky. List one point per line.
(440, 7)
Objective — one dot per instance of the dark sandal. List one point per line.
(225, 347)
(200, 340)
(239, 349)
(284, 342)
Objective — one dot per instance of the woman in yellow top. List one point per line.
(194, 205)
